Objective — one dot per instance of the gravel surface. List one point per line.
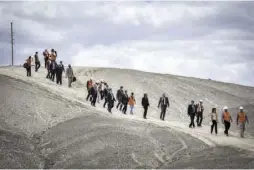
(43, 130)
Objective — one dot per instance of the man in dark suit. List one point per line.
(145, 104)
(192, 113)
(164, 104)
(111, 100)
(125, 99)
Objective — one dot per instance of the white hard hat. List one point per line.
(241, 108)
(200, 100)
(225, 108)
(102, 80)
(97, 81)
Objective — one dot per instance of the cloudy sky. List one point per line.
(200, 39)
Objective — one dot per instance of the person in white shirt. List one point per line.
(214, 120)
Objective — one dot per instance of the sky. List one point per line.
(199, 39)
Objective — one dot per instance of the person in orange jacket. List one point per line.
(132, 102)
(242, 119)
(226, 120)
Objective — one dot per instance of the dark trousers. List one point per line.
(199, 118)
(119, 104)
(214, 126)
(227, 126)
(48, 75)
(53, 73)
(59, 78)
(89, 95)
(124, 110)
(110, 106)
(105, 102)
(28, 71)
(163, 112)
(102, 94)
(45, 64)
(145, 111)
(37, 66)
(192, 117)
(94, 99)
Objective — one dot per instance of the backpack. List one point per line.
(25, 65)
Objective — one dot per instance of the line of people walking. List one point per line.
(100, 90)
(54, 70)
(196, 110)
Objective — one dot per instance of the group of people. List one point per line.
(54, 69)
(100, 90)
(196, 110)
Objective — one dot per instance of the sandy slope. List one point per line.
(62, 130)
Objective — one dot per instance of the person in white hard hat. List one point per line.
(200, 110)
(226, 120)
(241, 121)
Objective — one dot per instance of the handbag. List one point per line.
(74, 79)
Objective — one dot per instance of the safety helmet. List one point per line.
(241, 108)
(225, 108)
(201, 101)
(102, 80)
(98, 81)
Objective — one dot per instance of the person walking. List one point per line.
(53, 66)
(214, 120)
(119, 95)
(132, 102)
(200, 110)
(37, 62)
(241, 121)
(69, 75)
(46, 57)
(164, 104)
(111, 100)
(105, 94)
(89, 85)
(226, 120)
(94, 93)
(59, 73)
(29, 65)
(125, 99)
(145, 104)
(192, 113)
(48, 63)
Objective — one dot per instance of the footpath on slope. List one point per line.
(199, 133)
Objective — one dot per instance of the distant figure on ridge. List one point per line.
(125, 99)
(119, 95)
(214, 120)
(69, 75)
(37, 62)
(59, 73)
(111, 100)
(132, 102)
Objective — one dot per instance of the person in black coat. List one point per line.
(125, 99)
(59, 72)
(119, 95)
(94, 95)
(192, 113)
(164, 104)
(53, 66)
(145, 104)
(105, 94)
(111, 100)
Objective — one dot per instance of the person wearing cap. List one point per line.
(145, 104)
(191, 113)
(125, 101)
(59, 73)
(200, 110)
(241, 121)
(164, 104)
(119, 96)
(214, 120)
(69, 75)
(226, 120)
(111, 100)
(37, 62)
